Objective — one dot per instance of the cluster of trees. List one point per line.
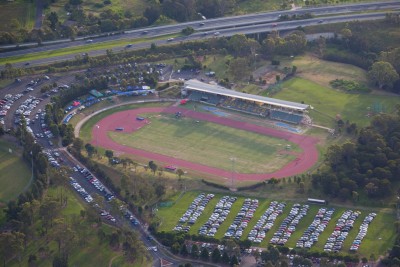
(374, 52)
(293, 44)
(372, 163)
(53, 118)
(10, 72)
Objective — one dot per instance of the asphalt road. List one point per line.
(258, 28)
(209, 25)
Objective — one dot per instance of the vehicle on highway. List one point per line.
(27, 64)
(320, 21)
(201, 24)
(128, 46)
(145, 32)
(275, 24)
(216, 33)
(170, 39)
(89, 41)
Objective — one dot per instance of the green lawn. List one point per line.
(380, 237)
(23, 11)
(327, 103)
(14, 172)
(321, 71)
(208, 144)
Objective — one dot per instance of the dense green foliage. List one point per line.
(348, 86)
(371, 164)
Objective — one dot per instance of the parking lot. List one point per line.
(291, 224)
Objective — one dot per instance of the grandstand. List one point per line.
(216, 95)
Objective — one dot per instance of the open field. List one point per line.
(14, 172)
(23, 11)
(208, 143)
(327, 103)
(380, 237)
(322, 72)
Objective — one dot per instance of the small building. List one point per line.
(96, 93)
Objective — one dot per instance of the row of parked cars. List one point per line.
(53, 159)
(27, 107)
(194, 211)
(318, 225)
(221, 211)
(362, 232)
(95, 182)
(88, 198)
(343, 225)
(266, 221)
(242, 219)
(289, 224)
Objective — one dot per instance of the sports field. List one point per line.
(125, 122)
(380, 237)
(209, 144)
(14, 172)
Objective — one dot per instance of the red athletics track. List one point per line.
(127, 120)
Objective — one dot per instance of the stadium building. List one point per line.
(271, 108)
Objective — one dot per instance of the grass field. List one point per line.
(322, 72)
(208, 144)
(380, 237)
(327, 103)
(14, 172)
(23, 11)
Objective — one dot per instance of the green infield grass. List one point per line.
(15, 173)
(328, 103)
(380, 237)
(209, 144)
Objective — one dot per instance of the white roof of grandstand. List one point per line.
(216, 89)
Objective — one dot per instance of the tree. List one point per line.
(234, 261)
(180, 172)
(77, 144)
(184, 252)
(204, 254)
(225, 258)
(383, 74)
(188, 31)
(152, 14)
(194, 253)
(239, 68)
(153, 166)
(90, 149)
(216, 255)
(109, 154)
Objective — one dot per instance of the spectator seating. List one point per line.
(285, 116)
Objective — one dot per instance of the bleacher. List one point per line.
(205, 97)
(245, 106)
(285, 116)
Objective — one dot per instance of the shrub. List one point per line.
(348, 86)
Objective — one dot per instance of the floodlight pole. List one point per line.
(97, 141)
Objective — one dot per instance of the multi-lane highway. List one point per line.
(227, 26)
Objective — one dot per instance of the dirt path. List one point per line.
(112, 259)
(127, 120)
